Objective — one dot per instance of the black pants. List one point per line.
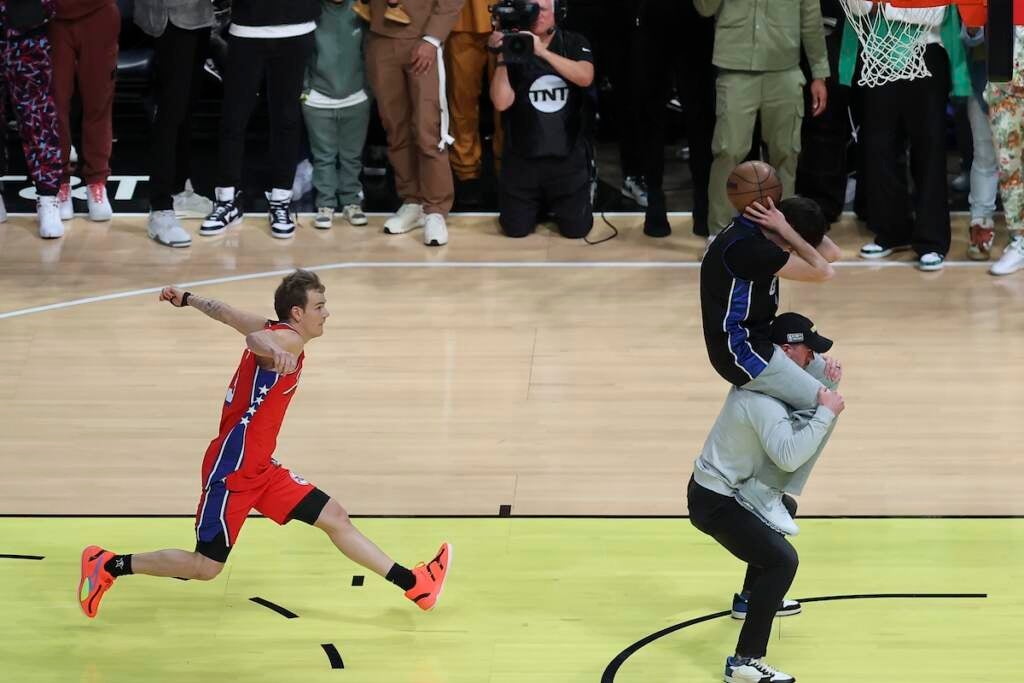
(676, 45)
(771, 560)
(911, 111)
(283, 61)
(531, 187)
(180, 54)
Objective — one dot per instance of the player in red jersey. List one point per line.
(239, 474)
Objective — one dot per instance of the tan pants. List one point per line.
(410, 109)
(467, 58)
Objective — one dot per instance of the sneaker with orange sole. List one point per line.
(100, 580)
(430, 579)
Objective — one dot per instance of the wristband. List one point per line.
(184, 299)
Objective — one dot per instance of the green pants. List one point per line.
(336, 138)
(779, 97)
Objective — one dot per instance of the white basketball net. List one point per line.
(891, 49)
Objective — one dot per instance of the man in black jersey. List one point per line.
(739, 294)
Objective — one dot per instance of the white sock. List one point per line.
(225, 194)
(279, 195)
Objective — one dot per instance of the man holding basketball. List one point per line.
(739, 285)
(239, 474)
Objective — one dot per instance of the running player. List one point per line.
(239, 474)
(739, 294)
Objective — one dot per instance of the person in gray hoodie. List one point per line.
(336, 108)
(759, 450)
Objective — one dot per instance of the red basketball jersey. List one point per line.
(253, 412)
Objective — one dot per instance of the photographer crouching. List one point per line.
(540, 87)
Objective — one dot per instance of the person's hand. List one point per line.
(768, 217)
(832, 400)
(833, 369)
(174, 295)
(423, 57)
(495, 40)
(538, 45)
(819, 96)
(284, 362)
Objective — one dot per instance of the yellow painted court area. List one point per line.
(548, 600)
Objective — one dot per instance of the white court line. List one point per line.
(681, 265)
(471, 214)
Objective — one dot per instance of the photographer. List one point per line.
(546, 163)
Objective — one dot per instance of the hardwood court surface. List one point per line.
(550, 376)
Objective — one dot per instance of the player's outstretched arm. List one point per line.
(244, 322)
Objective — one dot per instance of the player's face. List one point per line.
(315, 314)
(800, 354)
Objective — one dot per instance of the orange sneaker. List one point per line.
(100, 580)
(430, 579)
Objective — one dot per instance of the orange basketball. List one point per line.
(753, 181)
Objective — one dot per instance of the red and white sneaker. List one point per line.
(430, 579)
(99, 579)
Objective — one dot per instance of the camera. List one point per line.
(515, 18)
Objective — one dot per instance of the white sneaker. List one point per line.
(873, 250)
(324, 218)
(744, 670)
(188, 204)
(67, 208)
(1012, 259)
(435, 232)
(353, 213)
(282, 224)
(635, 188)
(930, 262)
(408, 217)
(99, 204)
(164, 227)
(48, 211)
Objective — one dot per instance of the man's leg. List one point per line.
(385, 69)
(567, 194)
(434, 172)
(285, 69)
(62, 41)
(785, 380)
(738, 97)
(322, 128)
(242, 78)
(466, 60)
(782, 115)
(97, 64)
(518, 197)
(351, 126)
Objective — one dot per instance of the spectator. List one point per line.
(984, 178)
(83, 39)
(547, 158)
(467, 60)
(757, 52)
(406, 72)
(675, 47)
(27, 74)
(915, 109)
(272, 39)
(1006, 112)
(336, 109)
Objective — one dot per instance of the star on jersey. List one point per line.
(251, 411)
(259, 400)
(263, 391)
(245, 421)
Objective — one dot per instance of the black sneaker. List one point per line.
(282, 224)
(223, 214)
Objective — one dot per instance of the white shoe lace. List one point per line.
(279, 213)
(762, 667)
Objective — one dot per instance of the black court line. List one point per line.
(504, 510)
(287, 614)
(332, 656)
(613, 666)
(6, 556)
(357, 580)
(15, 515)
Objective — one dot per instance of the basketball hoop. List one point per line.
(892, 38)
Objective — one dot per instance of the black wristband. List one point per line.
(184, 299)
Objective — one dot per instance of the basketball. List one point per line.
(753, 181)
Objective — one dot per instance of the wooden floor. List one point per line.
(546, 375)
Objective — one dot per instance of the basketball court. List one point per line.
(538, 403)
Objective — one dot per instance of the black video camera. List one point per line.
(515, 18)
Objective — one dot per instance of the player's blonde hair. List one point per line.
(294, 291)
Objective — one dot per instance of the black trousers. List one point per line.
(180, 54)
(530, 188)
(676, 46)
(771, 560)
(283, 62)
(894, 114)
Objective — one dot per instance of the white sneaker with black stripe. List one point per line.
(224, 213)
(748, 670)
(282, 223)
(873, 250)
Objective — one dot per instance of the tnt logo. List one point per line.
(549, 94)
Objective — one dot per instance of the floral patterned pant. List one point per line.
(27, 74)
(1006, 114)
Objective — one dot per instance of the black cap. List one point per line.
(793, 328)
